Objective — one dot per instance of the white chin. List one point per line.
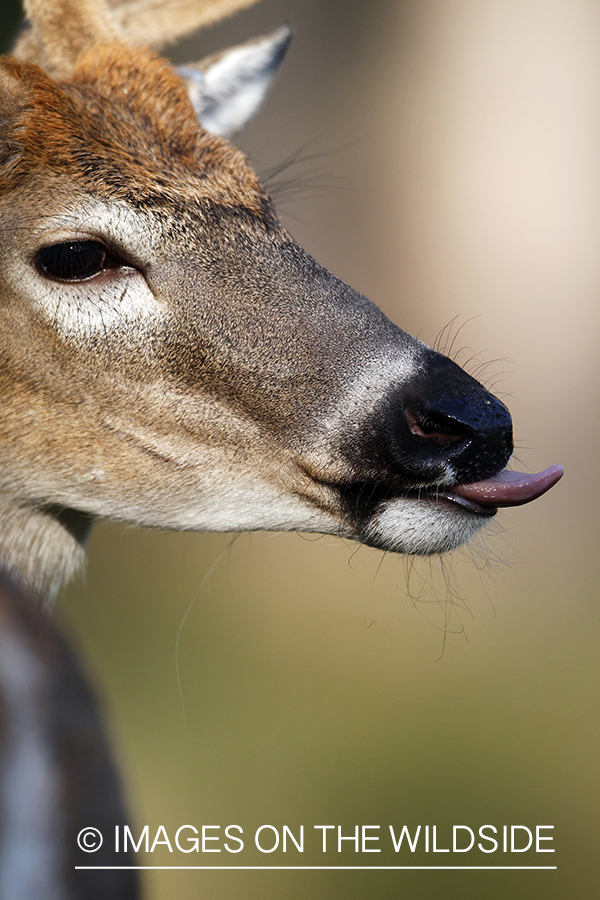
(422, 527)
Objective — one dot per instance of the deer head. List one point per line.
(169, 356)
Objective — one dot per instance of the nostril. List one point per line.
(472, 430)
(437, 426)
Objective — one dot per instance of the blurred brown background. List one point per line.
(451, 169)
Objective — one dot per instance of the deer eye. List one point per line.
(73, 260)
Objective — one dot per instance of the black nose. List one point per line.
(439, 423)
(470, 429)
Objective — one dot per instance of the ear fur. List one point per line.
(227, 89)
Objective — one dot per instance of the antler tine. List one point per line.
(61, 31)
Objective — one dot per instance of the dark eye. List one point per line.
(73, 260)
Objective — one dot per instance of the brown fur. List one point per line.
(89, 130)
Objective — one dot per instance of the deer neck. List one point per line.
(40, 548)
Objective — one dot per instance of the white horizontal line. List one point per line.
(313, 868)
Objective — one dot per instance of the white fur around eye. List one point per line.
(115, 297)
(99, 305)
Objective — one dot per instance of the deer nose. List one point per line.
(472, 430)
(455, 417)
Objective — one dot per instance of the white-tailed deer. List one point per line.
(169, 356)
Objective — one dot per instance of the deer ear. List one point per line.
(227, 90)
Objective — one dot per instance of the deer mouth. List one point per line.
(483, 498)
(505, 489)
(449, 498)
(480, 498)
(438, 518)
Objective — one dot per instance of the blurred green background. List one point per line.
(450, 167)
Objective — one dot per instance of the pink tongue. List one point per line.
(510, 488)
